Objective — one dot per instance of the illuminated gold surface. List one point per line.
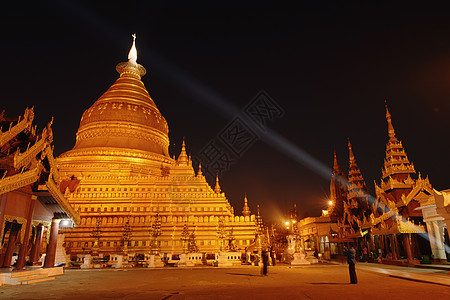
(126, 175)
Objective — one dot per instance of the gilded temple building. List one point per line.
(391, 223)
(31, 203)
(130, 193)
(397, 225)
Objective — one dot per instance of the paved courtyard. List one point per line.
(328, 281)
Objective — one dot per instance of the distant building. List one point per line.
(321, 232)
(391, 224)
(119, 175)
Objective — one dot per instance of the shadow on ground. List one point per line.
(242, 274)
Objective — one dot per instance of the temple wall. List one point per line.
(178, 200)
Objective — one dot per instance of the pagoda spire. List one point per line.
(396, 163)
(354, 174)
(246, 209)
(338, 189)
(183, 159)
(199, 173)
(132, 55)
(356, 190)
(131, 68)
(217, 188)
(336, 167)
(391, 131)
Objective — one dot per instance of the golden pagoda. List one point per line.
(121, 179)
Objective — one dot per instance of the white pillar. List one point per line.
(432, 239)
(440, 252)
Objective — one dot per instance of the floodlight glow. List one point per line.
(65, 222)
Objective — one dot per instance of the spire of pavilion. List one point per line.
(396, 162)
(338, 191)
(391, 131)
(356, 192)
(355, 178)
(246, 209)
(336, 167)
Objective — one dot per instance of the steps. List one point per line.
(30, 277)
(39, 280)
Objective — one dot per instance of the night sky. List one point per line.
(329, 67)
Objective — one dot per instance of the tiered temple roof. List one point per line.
(27, 163)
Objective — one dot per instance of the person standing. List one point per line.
(265, 260)
(351, 260)
(273, 256)
(365, 254)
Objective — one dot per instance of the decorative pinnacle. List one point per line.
(131, 68)
(391, 131)
(183, 158)
(351, 157)
(199, 173)
(336, 168)
(217, 187)
(245, 209)
(132, 55)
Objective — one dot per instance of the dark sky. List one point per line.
(330, 67)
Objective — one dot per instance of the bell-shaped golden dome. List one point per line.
(125, 116)
(123, 122)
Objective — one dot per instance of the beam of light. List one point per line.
(220, 104)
